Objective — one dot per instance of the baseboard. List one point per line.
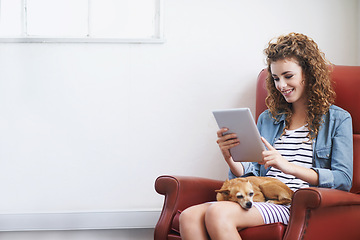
(129, 219)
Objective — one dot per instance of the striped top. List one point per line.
(295, 147)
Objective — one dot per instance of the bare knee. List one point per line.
(217, 216)
(192, 222)
(186, 217)
(222, 220)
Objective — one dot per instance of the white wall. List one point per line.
(88, 127)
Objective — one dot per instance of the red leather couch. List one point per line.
(316, 213)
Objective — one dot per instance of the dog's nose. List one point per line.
(249, 204)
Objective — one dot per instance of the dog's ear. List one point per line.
(223, 191)
(247, 180)
(222, 194)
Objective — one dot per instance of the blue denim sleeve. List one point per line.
(335, 163)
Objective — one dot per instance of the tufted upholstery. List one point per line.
(316, 213)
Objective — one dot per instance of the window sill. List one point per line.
(80, 40)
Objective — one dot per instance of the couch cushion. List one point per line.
(273, 231)
(175, 225)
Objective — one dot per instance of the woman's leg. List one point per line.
(223, 219)
(192, 222)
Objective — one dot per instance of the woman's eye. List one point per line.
(289, 76)
(276, 79)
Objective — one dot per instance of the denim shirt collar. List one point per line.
(277, 120)
(281, 119)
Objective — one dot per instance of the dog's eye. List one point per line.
(251, 194)
(240, 196)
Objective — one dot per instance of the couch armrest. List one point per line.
(181, 192)
(314, 209)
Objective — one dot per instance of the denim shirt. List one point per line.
(332, 148)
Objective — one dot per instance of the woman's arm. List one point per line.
(334, 164)
(272, 158)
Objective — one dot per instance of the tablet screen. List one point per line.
(241, 122)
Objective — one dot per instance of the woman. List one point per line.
(308, 140)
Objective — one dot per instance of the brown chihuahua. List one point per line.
(247, 190)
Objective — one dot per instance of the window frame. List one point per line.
(157, 38)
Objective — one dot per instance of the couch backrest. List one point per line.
(347, 88)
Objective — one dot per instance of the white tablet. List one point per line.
(241, 122)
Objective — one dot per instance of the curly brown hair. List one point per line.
(316, 70)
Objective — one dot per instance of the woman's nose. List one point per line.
(282, 83)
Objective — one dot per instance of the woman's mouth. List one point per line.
(287, 92)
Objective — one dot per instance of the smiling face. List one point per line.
(289, 80)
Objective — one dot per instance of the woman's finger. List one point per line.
(228, 143)
(221, 132)
(267, 144)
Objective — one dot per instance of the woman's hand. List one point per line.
(272, 158)
(226, 142)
